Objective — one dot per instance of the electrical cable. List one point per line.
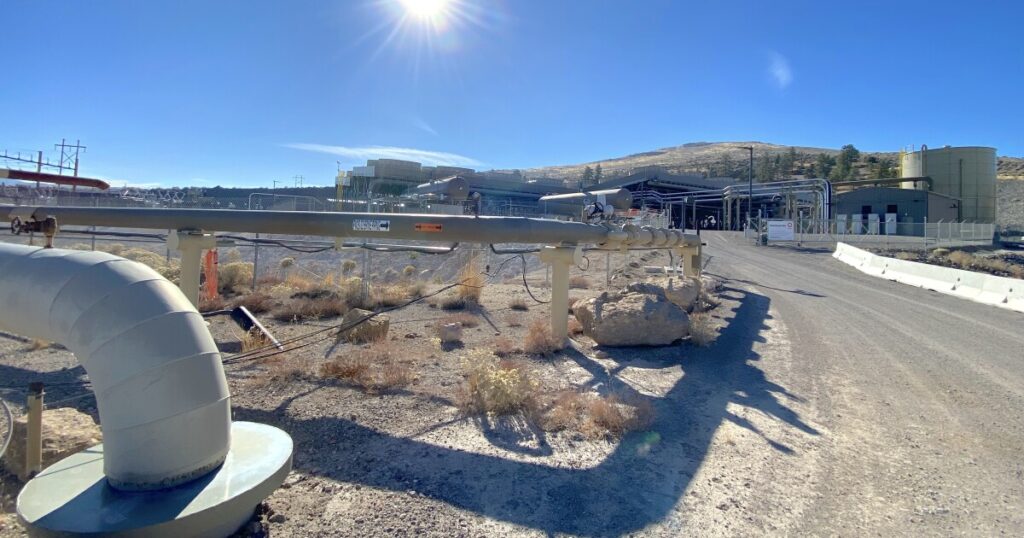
(162, 237)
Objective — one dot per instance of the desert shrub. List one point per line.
(540, 341)
(390, 275)
(503, 347)
(255, 302)
(348, 266)
(575, 327)
(471, 284)
(169, 269)
(409, 271)
(233, 255)
(702, 330)
(497, 387)
(518, 304)
(566, 411)
(938, 253)
(253, 340)
(286, 262)
(609, 416)
(463, 318)
(303, 308)
(234, 277)
(961, 259)
(908, 256)
(452, 302)
(210, 304)
(391, 295)
(37, 344)
(374, 369)
(579, 282)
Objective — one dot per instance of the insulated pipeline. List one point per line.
(160, 388)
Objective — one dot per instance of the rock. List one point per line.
(450, 332)
(683, 292)
(371, 330)
(278, 518)
(632, 318)
(65, 432)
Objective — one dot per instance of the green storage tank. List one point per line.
(967, 173)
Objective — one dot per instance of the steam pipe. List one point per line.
(160, 388)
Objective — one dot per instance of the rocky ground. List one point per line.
(991, 260)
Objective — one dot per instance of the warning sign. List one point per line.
(371, 225)
(780, 230)
(427, 227)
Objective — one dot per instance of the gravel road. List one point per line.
(918, 396)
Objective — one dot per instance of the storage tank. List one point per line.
(967, 173)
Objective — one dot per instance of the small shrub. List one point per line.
(256, 302)
(254, 340)
(36, 345)
(960, 258)
(302, 308)
(409, 271)
(503, 347)
(391, 295)
(540, 341)
(702, 330)
(234, 277)
(609, 417)
(575, 327)
(348, 266)
(579, 282)
(452, 302)
(210, 304)
(233, 255)
(374, 369)
(496, 387)
(390, 275)
(518, 304)
(907, 256)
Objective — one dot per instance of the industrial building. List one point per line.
(892, 211)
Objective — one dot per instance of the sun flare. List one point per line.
(429, 10)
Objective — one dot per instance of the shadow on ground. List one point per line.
(640, 483)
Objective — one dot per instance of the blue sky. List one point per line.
(244, 93)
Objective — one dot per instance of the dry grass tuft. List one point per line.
(303, 308)
(579, 282)
(472, 284)
(409, 271)
(256, 302)
(503, 347)
(907, 256)
(498, 387)
(283, 369)
(348, 266)
(453, 302)
(518, 304)
(209, 304)
(609, 417)
(36, 345)
(254, 340)
(373, 368)
(540, 341)
(565, 412)
(702, 330)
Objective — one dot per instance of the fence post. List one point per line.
(34, 437)
(255, 262)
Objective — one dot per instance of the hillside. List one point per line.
(730, 159)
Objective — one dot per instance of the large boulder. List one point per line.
(65, 432)
(371, 330)
(683, 292)
(632, 318)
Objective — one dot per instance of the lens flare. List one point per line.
(426, 10)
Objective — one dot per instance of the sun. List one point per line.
(426, 10)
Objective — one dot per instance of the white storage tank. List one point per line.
(966, 173)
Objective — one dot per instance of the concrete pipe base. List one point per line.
(72, 496)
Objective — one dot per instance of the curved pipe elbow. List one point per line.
(160, 388)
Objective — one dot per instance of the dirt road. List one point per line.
(918, 397)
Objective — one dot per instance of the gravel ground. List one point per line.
(831, 403)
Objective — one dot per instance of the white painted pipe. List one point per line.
(160, 388)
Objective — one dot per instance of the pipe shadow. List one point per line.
(639, 483)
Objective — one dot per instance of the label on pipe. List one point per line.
(427, 227)
(371, 225)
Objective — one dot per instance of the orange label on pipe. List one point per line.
(427, 227)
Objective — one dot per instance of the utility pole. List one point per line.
(68, 155)
(750, 180)
(298, 180)
(276, 182)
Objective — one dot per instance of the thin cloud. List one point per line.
(424, 126)
(778, 68)
(427, 157)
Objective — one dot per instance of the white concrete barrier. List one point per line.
(988, 289)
